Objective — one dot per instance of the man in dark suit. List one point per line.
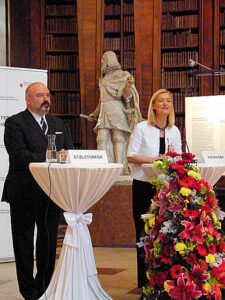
(26, 141)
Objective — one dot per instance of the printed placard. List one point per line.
(213, 157)
(87, 157)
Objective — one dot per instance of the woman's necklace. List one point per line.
(161, 128)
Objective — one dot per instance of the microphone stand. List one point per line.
(196, 75)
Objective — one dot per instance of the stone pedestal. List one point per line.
(113, 224)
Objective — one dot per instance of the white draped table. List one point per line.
(75, 188)
(211, 172)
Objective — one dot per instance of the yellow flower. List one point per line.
(214, 217)
(196, 168)
(166, 287)
(207, 287)
(194, 175)
(210, 258)
(185, 191)
(180, 247)
(151, 221)
(147, 228)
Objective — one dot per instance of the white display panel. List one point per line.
(13, 83)
(205, 123)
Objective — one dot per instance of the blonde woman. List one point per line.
(148, 142)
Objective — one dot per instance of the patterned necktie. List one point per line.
(43, 125)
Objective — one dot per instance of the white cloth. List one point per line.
(211, 172)
(75, 188)
(145, 140)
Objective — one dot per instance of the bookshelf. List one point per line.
(119, 32)
(61, 59)
(179, 43)
(222, 46)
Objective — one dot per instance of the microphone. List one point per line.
(192, 63)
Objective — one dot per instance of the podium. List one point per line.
(75, 188)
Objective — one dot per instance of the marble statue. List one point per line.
(118, 110)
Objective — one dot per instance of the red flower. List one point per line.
(192, 214)
(197, 186)
(160, 278)
(186, 182)
(160, 219)
(201, 250)
(217, 291)
(203, 265)
(192, 232)
(178, 168)
(198, 277)
(191, 259)
(207, 209)
(217, 272)
(172, 154)
(166, 254)
(185, 289)
(175, 271)
(212, 249)
(187, 157)
(222, 247)
(151, 280)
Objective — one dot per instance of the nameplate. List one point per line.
(213, 157)
(86, 157)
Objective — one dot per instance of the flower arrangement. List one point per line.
(184, 248)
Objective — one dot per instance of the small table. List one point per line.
(75, 188)
(211, 172)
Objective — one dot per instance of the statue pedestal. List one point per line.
(113, 224)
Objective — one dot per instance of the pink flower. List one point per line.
(185, 289)
(198, 277)
(192, 232)
(217, 291)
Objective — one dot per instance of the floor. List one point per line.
(116, 269)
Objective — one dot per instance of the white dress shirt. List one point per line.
(145, 140)
(38, 119)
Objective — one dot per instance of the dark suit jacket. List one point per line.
(25, 142)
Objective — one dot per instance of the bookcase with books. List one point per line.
(61, 59)
(119, 32)
(179, 43)
(222, 47)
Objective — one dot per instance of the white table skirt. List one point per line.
(75, 188)
(211, 172)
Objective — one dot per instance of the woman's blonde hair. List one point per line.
(151, 112)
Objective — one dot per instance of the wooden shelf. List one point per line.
(179, 48)
(63, 64)
(179, 29)
(65, 90)
(119, 36)
(63, 70)
(178, 67)
(61, 51)
(66, 115)
(180, 12)
(61, 16)
(62, 32)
